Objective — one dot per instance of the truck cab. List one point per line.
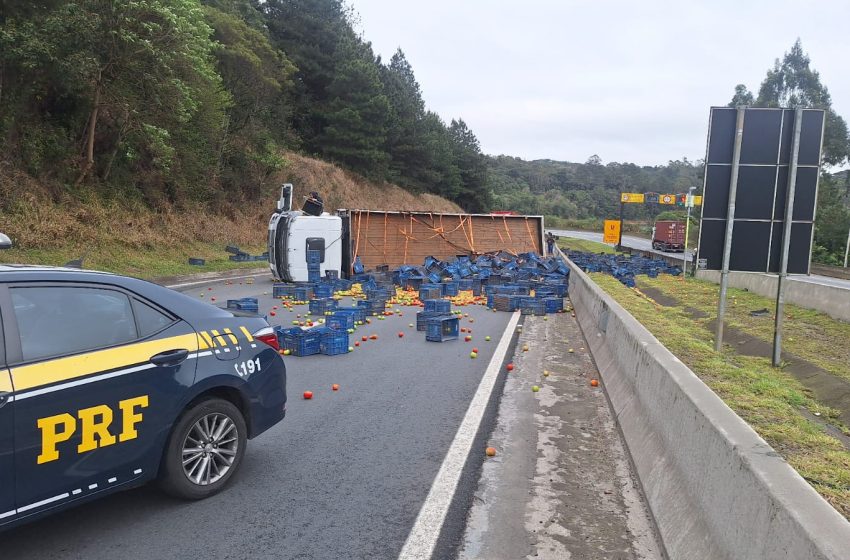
(293, 232)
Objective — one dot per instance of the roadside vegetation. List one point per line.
(771, 400)
(586, 246)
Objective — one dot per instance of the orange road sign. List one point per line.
(611, 234)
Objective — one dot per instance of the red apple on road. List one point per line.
(308, 395)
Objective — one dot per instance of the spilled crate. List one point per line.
(443, 328)
(334, 342)
(301, 342)
(323, 306)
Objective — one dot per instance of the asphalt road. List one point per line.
(646, 245)
(343, 476)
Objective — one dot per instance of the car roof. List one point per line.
(180, 304)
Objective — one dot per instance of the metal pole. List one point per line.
(689, 203)
(620, 240)
(786, 240)
(730, 222)
(847, 249)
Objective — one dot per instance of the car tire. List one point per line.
(211, 435)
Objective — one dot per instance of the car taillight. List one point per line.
(268, 336)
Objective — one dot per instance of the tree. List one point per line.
(405, 143)
(355, 135)
(472, 165)
(743, 96)
(793, 83)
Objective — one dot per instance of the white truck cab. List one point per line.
(293, 232)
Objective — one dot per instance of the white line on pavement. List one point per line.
(423, 536)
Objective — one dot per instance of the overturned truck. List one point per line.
(380, 238)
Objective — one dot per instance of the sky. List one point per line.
(626, 80)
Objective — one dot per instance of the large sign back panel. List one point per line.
(766, 148)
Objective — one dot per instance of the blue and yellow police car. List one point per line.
(108, 382)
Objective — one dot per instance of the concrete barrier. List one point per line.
(832, 300)
(716, 489)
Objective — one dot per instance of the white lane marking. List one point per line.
(94, 379)
(43, 502)
(8, 513)
(423, 536)
(111, 480)
(213, 280)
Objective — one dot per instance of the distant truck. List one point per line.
(668, 236)
(373, 239)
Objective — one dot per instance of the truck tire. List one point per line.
(204, 450)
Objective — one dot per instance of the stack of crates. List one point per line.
(301, 342)
(323, 306)
(372, 306)
(244, 304)
(504, 302)
(342, 285)
(314, 266)
(443, 328)
(333, 341)
(465, 284)
(430, 291)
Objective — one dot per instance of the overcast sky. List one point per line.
(627, 80)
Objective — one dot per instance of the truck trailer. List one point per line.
(378, 238)
(668, 236)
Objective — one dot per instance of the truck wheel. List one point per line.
(204, 451)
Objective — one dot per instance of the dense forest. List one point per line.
(167, 102)
(174, 100)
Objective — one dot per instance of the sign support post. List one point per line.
(847, 249)
(730, 222)
(689, 202)
(620, 239)
(786, 240)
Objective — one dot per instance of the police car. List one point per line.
(108, 382)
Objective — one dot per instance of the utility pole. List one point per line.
(620, 241)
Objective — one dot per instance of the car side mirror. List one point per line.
(5, 242)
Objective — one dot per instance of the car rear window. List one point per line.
(148, 319)
(55, 321)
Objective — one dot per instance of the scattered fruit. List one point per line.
(335, 387)
(594, 383)
(525, 348)
(490, 451)
(571, 351)
(545, 373)
(475, 350)
(364, 338)
(510, 366)
(401, 335)
(534, 388)
(287, 352)
(308, 395)
(487, 338)
(473, 355)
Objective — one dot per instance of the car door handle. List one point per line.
(170, 357)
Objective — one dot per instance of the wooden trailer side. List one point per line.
(397, 238)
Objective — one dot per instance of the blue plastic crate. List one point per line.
(430, 291)
(450, 288)
(323, 291)
(441, 329)
(342, 321)
(358, 313)
(244, 304)
(314, 258)
(438, 306)
(413, 283)
(435, 277)
(334, 342)
(342, 285)
(357, 267)
(504, 302)
(372, 306)
(532, 306)
(423, 317)
(465, 284)
(553, 304)
(302, 293)
(302, 342)
(313, 276)
(322, 306)
(280, 290)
